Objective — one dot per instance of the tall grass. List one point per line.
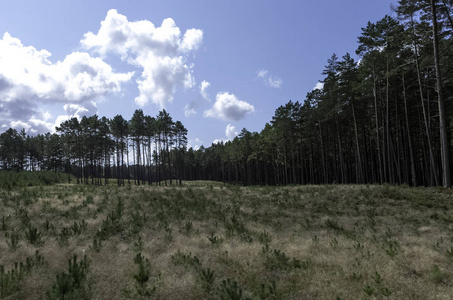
(207, 241)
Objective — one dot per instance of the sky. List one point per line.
(216, 66)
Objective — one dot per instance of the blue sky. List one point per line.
(217, 66)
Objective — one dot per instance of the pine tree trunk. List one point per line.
(446, 180)
(433, 169)
(411, 151)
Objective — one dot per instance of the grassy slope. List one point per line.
(299, 242)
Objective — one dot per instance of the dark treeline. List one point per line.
(143, 149)
(385, 118)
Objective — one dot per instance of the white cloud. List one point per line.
(230, 132)
(190, 109)
(194, 144)
(161, 51)
(262, 73)
(228, 107)
(274, 82)
(78, 111)
(204, 85)
(268, 79)
(192, 40)
(28, 80)
(319, 86)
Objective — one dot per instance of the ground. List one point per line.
(206, 240)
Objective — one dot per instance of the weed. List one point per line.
(78, 228)
(4, 225)
(359, 247)
(245, 237)
(277, 259)
(64, 236)
(391, 248)
(229, 290)
(333, 225)
(437, 276)
(143, 271)
(185, 260)
(143, 276)
(188, 228)
(449, 253)
(207, 278)
(264, 237)
(10, 280)
(33, 236)
(269, 291)
(97, 243)
(315, 239)
(12, 239)
(334, 243)
(215, 240)
(138, 244)
(369, 291)
(71, 285)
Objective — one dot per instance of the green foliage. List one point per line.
(12, 239)
(185, 260)
(4, 225)
(71, 284)
(264, 237)
(391, 248)
(215, 240)
(97, 243)
(230, 290)
(78, 227)
(236, 226)
(278, 260)
(207, 278)
(33, 236)
(368, 290)
(269, 292)
(138, 245)
(143, 276)
(14, 180)
(437, 276)
(10, 280)
(64, 235)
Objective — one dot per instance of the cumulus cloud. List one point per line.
(28, 79)
(230, 132)
(203, 87)
(228, 107)
(78, 111)
(190, 109)
(319, 86)
(194, 144)
(161, 52)
(268, 79)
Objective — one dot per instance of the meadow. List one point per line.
(206, 240)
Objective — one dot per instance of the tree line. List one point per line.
(143, 149)
(384, 118)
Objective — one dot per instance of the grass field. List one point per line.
(208, 241)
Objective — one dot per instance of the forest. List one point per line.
(385, 118)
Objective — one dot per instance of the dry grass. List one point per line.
(297, 242)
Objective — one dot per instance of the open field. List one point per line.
(209, 241)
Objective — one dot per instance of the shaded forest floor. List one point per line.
(209, 241)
